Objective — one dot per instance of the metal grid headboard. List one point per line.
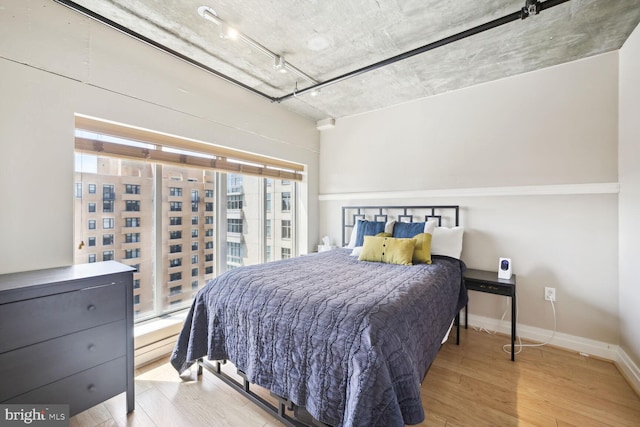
(350, 214)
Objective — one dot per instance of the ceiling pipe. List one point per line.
(531, 7)
(91, 14)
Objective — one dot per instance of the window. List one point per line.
(234, 254)
(157, 192)
(267, 253)
(107, 255)
(132, 253)
(132, 238)
(132, 222)
(268, 202)
(91, 207)
(195, 196)
(108, 192)
(92, 258)
(136, 299)
(269, 228)
(107, 205)
(234, 183)
(78, 190)
(286, 229)
(285, 182)
(234, 201)
(136, 283)
(132, 189)
(286, 201)
(132, 205)
(286, 253)
(234, 225)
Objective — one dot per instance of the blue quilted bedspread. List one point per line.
(348, 340)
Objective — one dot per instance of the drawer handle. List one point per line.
(91, 388)
(91, 307)
(91, 347)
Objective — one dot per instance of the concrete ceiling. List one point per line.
(328, 38)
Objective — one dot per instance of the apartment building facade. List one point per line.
(165, 221)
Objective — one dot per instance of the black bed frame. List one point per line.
(444, 214)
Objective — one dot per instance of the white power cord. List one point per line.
(507, 347)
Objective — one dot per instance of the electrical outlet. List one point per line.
(550, 294)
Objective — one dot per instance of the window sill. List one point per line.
(156, 338)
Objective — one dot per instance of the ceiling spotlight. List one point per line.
(227, 32)
(280, 64)
(315, 92)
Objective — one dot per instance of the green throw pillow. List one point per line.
(422, 252)
(388, 250)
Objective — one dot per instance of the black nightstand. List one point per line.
(488, 281)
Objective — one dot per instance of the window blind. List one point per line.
(161, 148)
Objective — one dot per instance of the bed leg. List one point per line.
(198, 368)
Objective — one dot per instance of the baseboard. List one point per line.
(586, 346)
(629, 369)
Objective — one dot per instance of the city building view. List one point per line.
(165, 221)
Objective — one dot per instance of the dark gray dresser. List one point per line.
(66, 335)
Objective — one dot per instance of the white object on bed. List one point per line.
(447, 241)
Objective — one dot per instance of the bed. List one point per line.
(343, 340)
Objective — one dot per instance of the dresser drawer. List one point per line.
(39, 364)
(82, 390)
(38, 319)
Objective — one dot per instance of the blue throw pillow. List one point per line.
(368, 228)
(407, 229)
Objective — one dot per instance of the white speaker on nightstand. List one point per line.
(504, 268)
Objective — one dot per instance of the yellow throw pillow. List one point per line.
(422, 252)
(388, 250)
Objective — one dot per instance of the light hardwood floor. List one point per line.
(474, 384)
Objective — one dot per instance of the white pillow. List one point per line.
(430, 225)
(354, 234)
(447, 241)
(356, 251)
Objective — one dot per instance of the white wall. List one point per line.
(629, 170)
(55, 63)
(532, 160)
